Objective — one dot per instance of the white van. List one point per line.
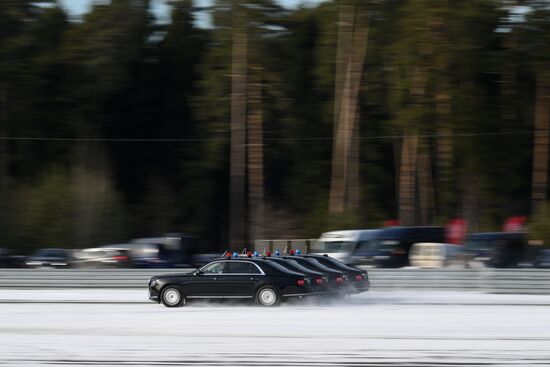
(435, 255)
(342, 245)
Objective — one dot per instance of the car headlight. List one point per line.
(152, 283)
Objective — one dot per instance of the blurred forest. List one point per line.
(269, 122)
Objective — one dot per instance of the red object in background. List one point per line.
(514, 224)
(455, 231)
(391, 223)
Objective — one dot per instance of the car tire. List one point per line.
(172, 296)
(267, 296)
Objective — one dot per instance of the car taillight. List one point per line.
(358, 278)
(120, 258)
(301, 282)
(319, 281)
(339, 280)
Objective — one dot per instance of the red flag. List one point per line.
(514, 224)
(455, 231)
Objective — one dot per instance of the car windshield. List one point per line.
(279, 267)
(334, 246)
(316, 264)
(298, 266)
(329, 261)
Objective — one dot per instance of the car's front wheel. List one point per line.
(267, 296)
(172, 296)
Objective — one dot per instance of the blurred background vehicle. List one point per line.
(169, 250)
(5, 258)
(391, 246)
(436, 255)
(144, 255)
(49, 258)
(348, 246)
(101, 258)
(496, 249)
(542, 260)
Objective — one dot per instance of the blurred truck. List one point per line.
(436, 255)
(348, 246)
(391, 246)
(496, 249)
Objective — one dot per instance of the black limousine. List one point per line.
(261, 279)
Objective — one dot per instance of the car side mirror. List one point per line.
(198, 272)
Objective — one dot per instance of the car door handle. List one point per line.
(252, 278)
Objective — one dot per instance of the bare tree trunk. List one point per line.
(353, 198)
(407, 177)
(425, 187)
(90, 181)
(347, 118)
(4, 161)
(540, 149)
(444, 151)
(255, 156)
(4, 177)
(343, 47)
(407, 171)
(237, 225)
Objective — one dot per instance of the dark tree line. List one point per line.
(270, 122)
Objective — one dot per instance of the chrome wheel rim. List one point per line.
(171, 296)
(267, 297)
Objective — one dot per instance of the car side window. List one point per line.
(214, 268)
(254, 269)
(238, 267)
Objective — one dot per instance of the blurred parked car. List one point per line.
(348, 246)
(49, 258)
(8, 260)
(496, 249)
(144, 255)
(5, 256)
(101, 258)
(542, 261)
(436, 255)
(391, 246)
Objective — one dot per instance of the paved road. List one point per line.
(378, 329)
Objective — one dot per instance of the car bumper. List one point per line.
(154, 295)
(360, 287)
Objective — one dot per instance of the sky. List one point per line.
(79, 7)
(162, 11)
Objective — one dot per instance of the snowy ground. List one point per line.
(42, 327)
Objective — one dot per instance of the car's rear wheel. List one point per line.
(267, 296)
(172, 296)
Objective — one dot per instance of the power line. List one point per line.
(198, 140)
